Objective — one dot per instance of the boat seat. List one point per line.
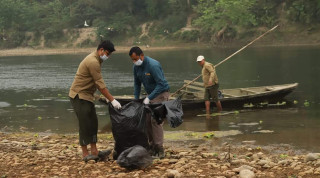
(194, 83)
(191, 94)
(195, 88)
(247, 90)
(228, 95)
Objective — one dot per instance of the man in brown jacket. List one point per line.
(210, 81)
(87, 80)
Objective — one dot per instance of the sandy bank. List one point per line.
(43, 155)
(55, 51)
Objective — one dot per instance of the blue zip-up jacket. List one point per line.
(150, 74)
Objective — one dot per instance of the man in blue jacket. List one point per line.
(149, 72)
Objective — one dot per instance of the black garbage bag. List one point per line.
(128, 126)
(129, 123)
(159, 112)
(136, 157)
(172, 110)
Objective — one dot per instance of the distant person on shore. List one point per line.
(148, 72)
(87, 80)
(210, 81)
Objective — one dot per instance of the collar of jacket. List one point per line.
(98, 57)
(145, 60)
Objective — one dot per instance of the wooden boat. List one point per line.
(192, 96)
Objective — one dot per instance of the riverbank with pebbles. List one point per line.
(56, 155)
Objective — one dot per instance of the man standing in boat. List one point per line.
(149, 72)
(210, 81)
(87, 80)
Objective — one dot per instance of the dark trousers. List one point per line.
(88, 120)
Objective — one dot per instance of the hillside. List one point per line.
(80, 24)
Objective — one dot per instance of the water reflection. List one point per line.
(212, 123)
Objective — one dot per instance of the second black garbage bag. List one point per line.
(171, 110)
(135, 157)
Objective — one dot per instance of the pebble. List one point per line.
(311, 157)
(284, 162)
(223, 168)
(122, 175)
(297, 167)
(182, 154)
(243, 167)
(255, 157)
(260, 155)
(172, 161)
(181, 169)
(246, 174)
(249, 154)
(173, 174)
(262, 162)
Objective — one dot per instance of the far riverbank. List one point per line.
(55, 51)
(125, 49)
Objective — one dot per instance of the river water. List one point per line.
(34, 91)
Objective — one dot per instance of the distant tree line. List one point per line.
(217, 19)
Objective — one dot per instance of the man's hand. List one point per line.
(146, 101)
(116, 104)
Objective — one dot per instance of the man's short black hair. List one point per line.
(106, 45)
(136, 50)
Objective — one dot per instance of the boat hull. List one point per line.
(240, 101)
(271, 96)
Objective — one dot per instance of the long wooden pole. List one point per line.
(226, 58)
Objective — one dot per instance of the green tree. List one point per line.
(215, 15)
(265, 12)
(305, 12)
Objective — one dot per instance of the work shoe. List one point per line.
(90, 157)
(159, 152)
(151, 150)
(104, 154)
(115, 155)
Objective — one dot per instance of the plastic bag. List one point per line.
(172, 110)
(129, 123)
(159, 113)
(135, 157)
(128, 126)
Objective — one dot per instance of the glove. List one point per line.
(116, 104)
(146, 101)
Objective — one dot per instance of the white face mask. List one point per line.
(104, 57)
(138, 62)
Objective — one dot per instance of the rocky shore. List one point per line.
(26, 154)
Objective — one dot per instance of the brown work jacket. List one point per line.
(88, 78)
(209, 74)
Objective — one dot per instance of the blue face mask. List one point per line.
(104, 57)
(138, 62)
